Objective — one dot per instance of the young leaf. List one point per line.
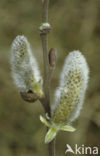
(50, 135)
(44, 121)
(67, 128)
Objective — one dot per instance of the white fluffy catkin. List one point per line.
(24, 66)
(70, 94)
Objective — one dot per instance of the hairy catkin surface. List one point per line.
(24, 66)
(70, 94)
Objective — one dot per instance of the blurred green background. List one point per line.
(76, 25)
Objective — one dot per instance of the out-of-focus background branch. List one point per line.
(76, 25)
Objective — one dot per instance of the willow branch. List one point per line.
(46, 73)
(45, 28)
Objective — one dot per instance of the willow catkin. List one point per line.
(24, 67)
(70, 94)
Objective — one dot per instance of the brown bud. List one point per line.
(29, 97)
(52, 57)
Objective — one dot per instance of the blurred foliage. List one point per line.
(76, 25)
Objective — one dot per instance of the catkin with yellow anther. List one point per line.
(68, 97)
(24, 67)
(70, 94)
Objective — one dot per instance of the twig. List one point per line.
(44, 38)
(46, 73)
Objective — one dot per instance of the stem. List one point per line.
(45, 11)
(46, 102)
(46, 73)
(51, 148)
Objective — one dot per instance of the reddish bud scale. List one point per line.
(52, 57)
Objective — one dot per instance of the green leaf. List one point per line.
(44, 121)
(51, 134)
(67, 128)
